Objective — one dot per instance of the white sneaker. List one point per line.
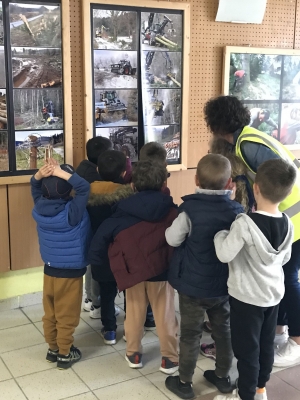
(288, 355)
(87, 304)
(261, 396)
(281, 339)
(233, 396)
(117, 310)
(95, 313)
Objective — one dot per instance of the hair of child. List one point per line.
(111, 165)
(96, 146)
(275, 179)
(149, 175)
(213, 172)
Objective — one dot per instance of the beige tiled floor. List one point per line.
(102, 373)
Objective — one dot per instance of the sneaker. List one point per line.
(288, 355)
(95, 312)
(262, 395)
(52, 355)
(109, 337)
(87, 304)
(65, 362)
(182, 390)
(222, 384)
(117, 311)
(134, 361)
(233, 396)
(150, 325)
(206, 327)
(281, 339)
(208, 350)
(168, 367)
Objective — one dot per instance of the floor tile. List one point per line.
(200, 385)
(291, 376)
(95, 324)
(52, 385)
(12, 318)
(106, 370)
(4, 373)
(33, 359)
(84, 396)
(120, 300)
(135, 389)
(19, 337)
(278, 389)
(92, 345)
(34, 313)
(10, 391)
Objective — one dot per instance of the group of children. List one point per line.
(124, 227)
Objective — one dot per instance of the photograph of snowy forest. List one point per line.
(114, 29)
(269, 85)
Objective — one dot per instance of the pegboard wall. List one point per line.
(280, 29)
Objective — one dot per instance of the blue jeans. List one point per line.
(289, 309)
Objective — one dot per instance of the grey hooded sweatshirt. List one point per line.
(255, 267)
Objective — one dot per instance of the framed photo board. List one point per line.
(35, 87)
(136, 75)
(267, 81)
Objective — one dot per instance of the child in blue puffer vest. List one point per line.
(64, 233)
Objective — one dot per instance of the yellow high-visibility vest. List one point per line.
(290, 205)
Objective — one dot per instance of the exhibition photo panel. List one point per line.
(124, 138)
(291, 78)
(168, 136)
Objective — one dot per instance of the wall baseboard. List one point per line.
(24, 300)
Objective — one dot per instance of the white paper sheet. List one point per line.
(241, 11)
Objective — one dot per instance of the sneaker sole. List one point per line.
(95, 317)
(180, 394)
(207, 355)
(86, 309)
(168, 371)
(67, 366)
(287, 364)
(131, 365)
(108, 342)
(150, 329)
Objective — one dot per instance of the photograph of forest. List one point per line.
(161, 69)
(255, 76)
(3, 109)
(4, 151)
(116, 107)
(161, 31)
(114, 29)
(35, 25)
(115, 69)
(162, 106)
(123, 138)
(291, 78)
(38, 109)
(168, 136)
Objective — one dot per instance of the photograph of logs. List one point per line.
(36, 67)
(169, 137)
(35, 25)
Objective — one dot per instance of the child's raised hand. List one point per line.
(52, 162)
(45, 171)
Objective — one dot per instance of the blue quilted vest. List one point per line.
(195, 269)
(63, 245)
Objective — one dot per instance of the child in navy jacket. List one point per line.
(63, 227)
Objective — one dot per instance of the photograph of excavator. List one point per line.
(124, 139)
(116, 107)
(115, 69)
(162, 106)
(161, 69)
(114, 30)
(35, 25)
(169, 137)
(161, 31)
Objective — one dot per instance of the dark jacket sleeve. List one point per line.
(255, 154)
(36, 189)
(98, 252)
(78, 203)
(88, 171)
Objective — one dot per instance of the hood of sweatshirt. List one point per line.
(266, 252)
(147, 205)
(108, 193)
(50, 208)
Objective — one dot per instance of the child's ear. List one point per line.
(228, 184)
(197, 181)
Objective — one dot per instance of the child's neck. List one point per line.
(266, 206)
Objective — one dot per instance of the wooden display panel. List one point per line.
(87, 67)
(4, 243)
(23, 234)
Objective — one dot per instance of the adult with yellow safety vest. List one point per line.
(227, 117)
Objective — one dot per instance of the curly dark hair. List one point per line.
(225, 114)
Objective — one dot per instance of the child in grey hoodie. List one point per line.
(256, 248)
